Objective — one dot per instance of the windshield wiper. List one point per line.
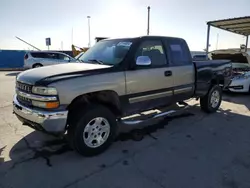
(96, 61)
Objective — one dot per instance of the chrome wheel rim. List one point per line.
(215, 99)
(96, 132)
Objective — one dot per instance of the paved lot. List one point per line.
(204, 151)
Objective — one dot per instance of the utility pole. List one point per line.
(148, 19)
(72, 36)
(89, 30)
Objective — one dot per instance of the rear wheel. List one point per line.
(212, 100)
(93, 131)
(37, 65)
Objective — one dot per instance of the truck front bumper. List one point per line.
(50, 122)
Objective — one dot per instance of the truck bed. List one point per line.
(211, 68)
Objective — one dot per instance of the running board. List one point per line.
(156, 116)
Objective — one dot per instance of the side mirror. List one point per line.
(143, 61)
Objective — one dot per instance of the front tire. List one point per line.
(93, 131)
(211, 101)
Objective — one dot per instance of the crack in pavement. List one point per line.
(42, 153)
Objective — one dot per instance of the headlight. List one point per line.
(44, 90)
(48, 105)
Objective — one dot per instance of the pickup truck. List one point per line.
(86, 101)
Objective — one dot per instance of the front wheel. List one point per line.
(93, 131)
(212, 100)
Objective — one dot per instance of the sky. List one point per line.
(65, 21)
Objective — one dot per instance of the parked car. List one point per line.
(241, 68)
(119, 77)
(37, 59)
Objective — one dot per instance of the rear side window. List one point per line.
(38, 55)
(179, 52)
(44, 55)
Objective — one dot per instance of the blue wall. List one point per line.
(15, 58)
(11, 58)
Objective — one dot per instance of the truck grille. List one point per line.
(24, 87)
(23, 100)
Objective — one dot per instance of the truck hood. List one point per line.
(67, 70)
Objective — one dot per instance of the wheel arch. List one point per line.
(33, 66)
(108, 98)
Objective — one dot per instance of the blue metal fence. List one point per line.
(12, 58)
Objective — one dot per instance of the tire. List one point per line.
(85, 127)
(37, 65)
(215, 94)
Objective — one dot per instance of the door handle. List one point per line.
(168, 73)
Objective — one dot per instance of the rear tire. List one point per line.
(37, 65)
(211, 101)
(92, 131)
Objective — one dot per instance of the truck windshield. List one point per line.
(107, 52)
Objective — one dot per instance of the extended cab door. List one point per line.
(182, 67)
(150, 86)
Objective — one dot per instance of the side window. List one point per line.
(63, 57)
(179, 52)
(154, 50)
(52, 55)
(38, 55)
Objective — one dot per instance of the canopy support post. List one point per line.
(246, 42)
(208, 35)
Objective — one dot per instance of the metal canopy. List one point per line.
(239, 25)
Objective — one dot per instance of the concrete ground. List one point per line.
(203, 151)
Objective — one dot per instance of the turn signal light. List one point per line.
(52, 104)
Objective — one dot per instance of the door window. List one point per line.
(154, 50)
(63, 57)
(52, 55)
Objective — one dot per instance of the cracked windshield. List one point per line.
(128, 94)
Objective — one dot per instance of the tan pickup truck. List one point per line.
(115, 78)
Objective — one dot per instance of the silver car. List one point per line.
(43, 58)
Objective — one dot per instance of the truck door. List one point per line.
(150, 86)
(183, 71)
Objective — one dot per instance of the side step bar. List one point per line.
(156, 116)
(127, 124)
